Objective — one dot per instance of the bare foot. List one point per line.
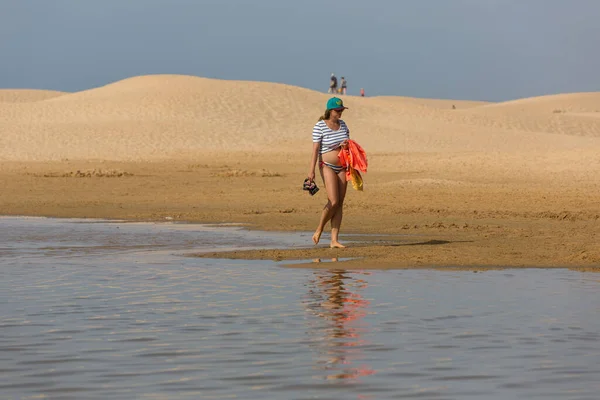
(316, 237)
(337, 245)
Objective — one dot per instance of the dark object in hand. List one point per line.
(311, 186)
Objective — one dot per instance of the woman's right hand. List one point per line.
(311, 175)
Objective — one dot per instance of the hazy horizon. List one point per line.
(464, 49)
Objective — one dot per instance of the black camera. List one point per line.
(311, 186)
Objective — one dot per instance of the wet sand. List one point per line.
(469, 216)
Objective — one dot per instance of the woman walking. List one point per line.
(330, 134)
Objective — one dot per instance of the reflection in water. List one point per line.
(334, 296)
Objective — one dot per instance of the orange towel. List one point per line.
(354, 156)
(354, 159)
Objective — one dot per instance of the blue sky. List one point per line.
(461, 49)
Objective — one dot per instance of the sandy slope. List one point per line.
(557, 103)
(163, 116)
(434, 103)
(26, 95)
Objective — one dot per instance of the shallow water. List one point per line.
(97, 310)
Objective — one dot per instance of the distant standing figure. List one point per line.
(362, 92)
(332, 84)
(343, 84)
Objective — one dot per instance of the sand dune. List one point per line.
(26, 95)
(558, 103)
(169, 116)
(434, 103)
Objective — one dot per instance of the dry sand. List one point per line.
(482, 185)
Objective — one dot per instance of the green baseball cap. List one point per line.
(335, 103)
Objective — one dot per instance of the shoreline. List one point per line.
(466, 218)
(357, 256)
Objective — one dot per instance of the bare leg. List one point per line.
(336, 219)
(331, 185)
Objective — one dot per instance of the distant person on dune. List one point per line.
(330, 134)
(333, 84)
(362, 92)
(343, 85)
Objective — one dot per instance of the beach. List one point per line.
(478, 185)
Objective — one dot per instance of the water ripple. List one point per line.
(136, 319)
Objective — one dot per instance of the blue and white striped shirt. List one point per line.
(329, 139)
